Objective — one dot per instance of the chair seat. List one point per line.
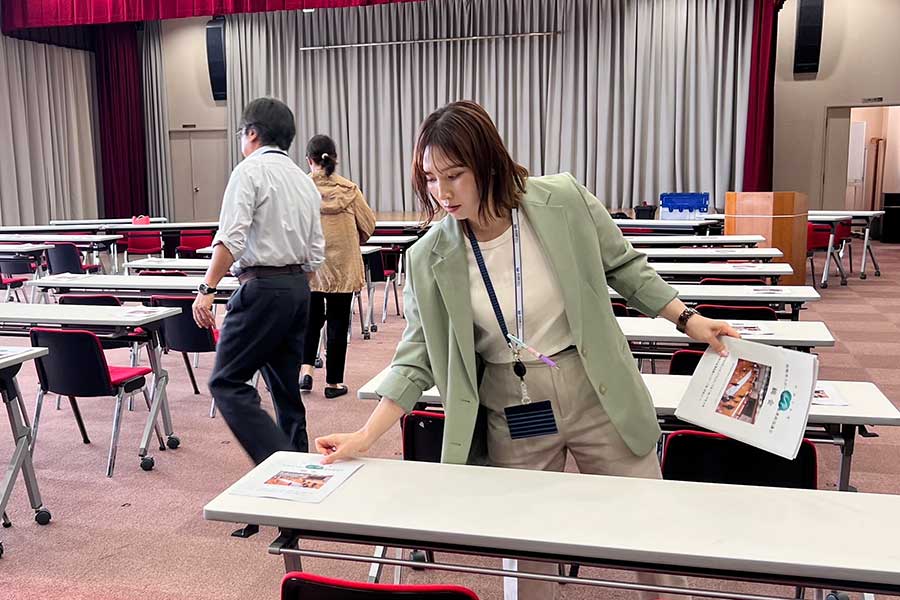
(14, 281)
(389, 272)
(215, 333)
(90, 268)
(121, 375)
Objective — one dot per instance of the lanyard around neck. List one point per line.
(489, 286)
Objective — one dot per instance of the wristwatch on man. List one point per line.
(686, 314)
(205, 289)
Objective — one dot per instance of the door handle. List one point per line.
(196, 189)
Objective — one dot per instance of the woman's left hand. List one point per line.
(708, 331)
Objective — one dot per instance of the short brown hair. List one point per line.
(464, 132)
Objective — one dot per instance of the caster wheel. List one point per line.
(418, 556)
(318, 364)
(147, 463)
(877, 273)
(844, 282)
(367, 336)
(7, 524)
(824, 285)
(373, 328)
(1, 549)
(42, 516)
(862, 275)
(173, 442)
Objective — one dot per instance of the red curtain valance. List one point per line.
(24, 14)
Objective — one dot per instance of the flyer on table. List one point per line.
(758, 394)
(306, 481)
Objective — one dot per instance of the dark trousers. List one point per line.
(263, 331)
(335, 309)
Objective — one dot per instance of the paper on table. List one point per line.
(828, 395)
(305, 481)
(750, 329)
(758, 394)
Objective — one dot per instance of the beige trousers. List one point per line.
(585, 431)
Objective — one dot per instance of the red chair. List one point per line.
(737, 313)
(843, 238)
(181, 334)
(636, 231)
(64, 257)
(76, 366)
(619, 309)
(306, 586)
(14, 272)
(817, 241)
(143, 242)
(191, 241)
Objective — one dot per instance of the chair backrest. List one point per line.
(843, 231)
(162, 273)
(64, 257)
(16, 266)
(738, 313)
(144, 242)
(306, 586)
(619, 309)
(422, 435)
(636, 230)
(684, 362)
(728, 281)
(817, 237)
(75, 365)
(180, 333)
(89, 299)
(375, 261)
(713, 458)
(195, 239)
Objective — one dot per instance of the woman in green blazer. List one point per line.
(580, 385)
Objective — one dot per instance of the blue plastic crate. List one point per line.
(683, 206)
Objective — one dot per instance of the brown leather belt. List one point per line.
(251, 273)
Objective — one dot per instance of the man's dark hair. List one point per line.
(272, 120)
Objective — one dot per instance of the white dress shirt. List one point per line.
(270, 214)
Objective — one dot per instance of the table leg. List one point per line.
(114, 250)
(827, 269)
(862, 261)
(160, 403)
(848, 433)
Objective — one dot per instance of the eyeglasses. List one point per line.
(242, 130)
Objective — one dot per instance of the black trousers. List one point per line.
(263, 331)
(335, 309)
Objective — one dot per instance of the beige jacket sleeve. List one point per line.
(365, 218)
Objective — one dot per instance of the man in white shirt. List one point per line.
(269, 236)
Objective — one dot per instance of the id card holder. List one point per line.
(534, 419)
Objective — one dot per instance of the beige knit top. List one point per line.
(347, 222)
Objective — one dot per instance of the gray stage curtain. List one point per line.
(160, 193)
(635, 97)
(48, 167)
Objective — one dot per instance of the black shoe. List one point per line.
(306, 383)
(334, 392)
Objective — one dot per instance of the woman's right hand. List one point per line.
(341, 446)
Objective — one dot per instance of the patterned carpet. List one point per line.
(142, 535)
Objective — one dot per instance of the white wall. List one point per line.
(860, 50)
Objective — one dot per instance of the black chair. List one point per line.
(181, 334)
(422, 435)
(306, 586)
(619, 309)
(684, 362)
(14, 272)
(76, 366)
(728, 281)
(713, 458)
(64, 257)
(737, 313)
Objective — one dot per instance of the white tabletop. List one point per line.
(802, 334)
(369, 249)
(76, 314)
(102, 221)
(11, 356)
(661, 223)
(723, 269)
(866, 404)
(205, 250)
(51, 229)
(49, 237)
(7, 249)
(160, 226)
(391, 239)
(754, 293)
(129, 282)
(829, 218)
(175, 264)
(695, 240)
(764, 530)
(861, 214)
(402, 224)
(713, 253)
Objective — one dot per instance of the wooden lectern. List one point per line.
(780, 217)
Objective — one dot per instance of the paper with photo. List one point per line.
(306, 481)
(746, 328)
(758, 394)
(826, 394)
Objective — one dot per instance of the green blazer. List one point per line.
(587, 251)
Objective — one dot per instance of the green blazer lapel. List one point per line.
(552, 228)
(451, 272)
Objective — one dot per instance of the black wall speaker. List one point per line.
(215, 56)
(808, 42)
